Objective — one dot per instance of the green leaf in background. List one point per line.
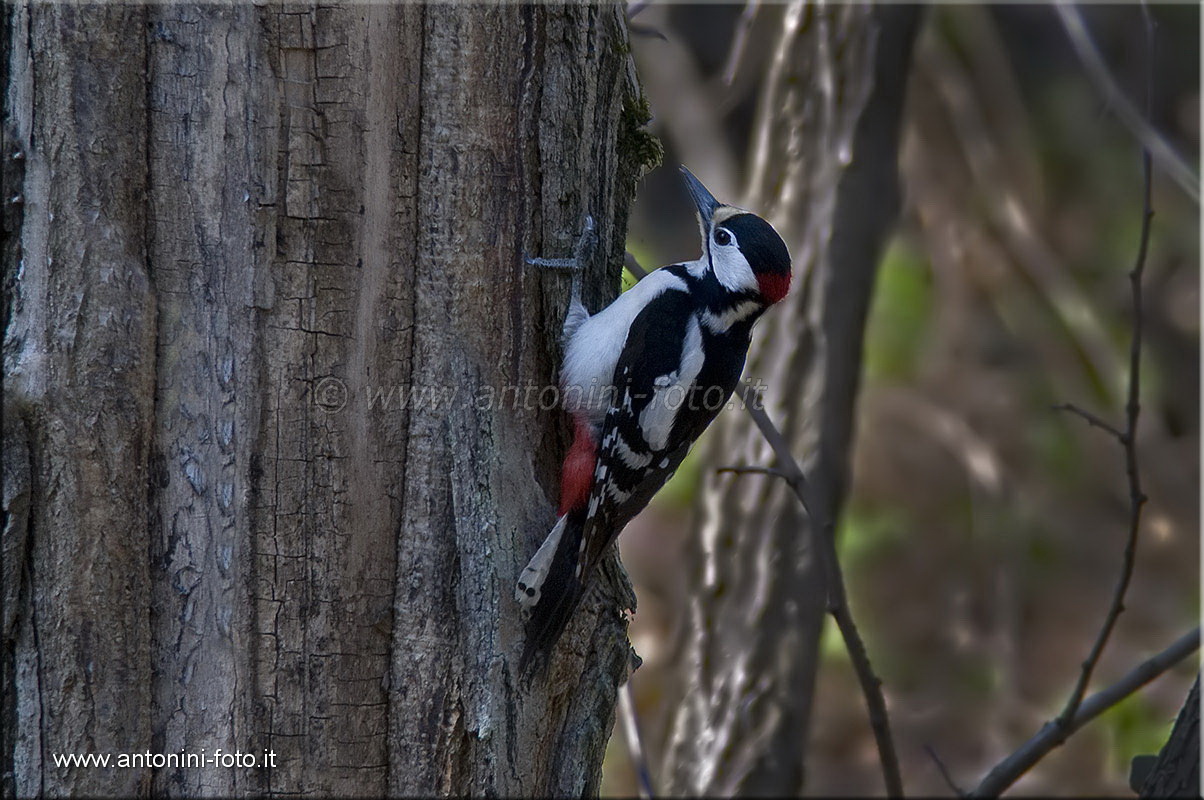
(898, 318)
(628, 280)
(1134, 727)
(1055, 448)
(831, 643)
(644, 256)
(865, 530)
(679, 491)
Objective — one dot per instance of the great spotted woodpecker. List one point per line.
(642, 379)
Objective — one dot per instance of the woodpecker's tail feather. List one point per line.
(560, 592)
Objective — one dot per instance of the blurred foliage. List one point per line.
(627, 280)
(898, 319)
(680, 490)
(1134, 727)
(643, 256)
(982, 531)
(831, 646)
(866, 531)
(1055, 450)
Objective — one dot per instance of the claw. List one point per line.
(586, 241)
(582, 251)
(553, 263)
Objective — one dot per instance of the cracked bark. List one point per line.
(271, 226)
(1176, 771)
(824, 170)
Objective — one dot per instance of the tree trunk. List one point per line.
(273, 377)
(825, 170)
(1176, 772)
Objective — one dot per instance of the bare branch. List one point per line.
(635, 7)
(1078, 711)
(1091, 419)
(740, 41)
(635, 744)
(777, 473)
(687, 116)
(940, 765)
(789, 471)
(1128, 440)
(1017, 229)
(633, 266)
(1151, 140)
(1053, 734)
(838, 607)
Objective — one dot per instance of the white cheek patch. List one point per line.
(732, 269)
(656, 420)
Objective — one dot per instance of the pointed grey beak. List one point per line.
(703, 199)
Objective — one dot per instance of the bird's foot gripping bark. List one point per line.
(583, 250)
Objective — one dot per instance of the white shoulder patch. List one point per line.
(597, 342)
(669, 396)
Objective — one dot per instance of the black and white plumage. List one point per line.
(643, 378)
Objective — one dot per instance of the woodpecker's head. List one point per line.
(743, 250)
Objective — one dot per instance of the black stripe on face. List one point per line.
(708, 293)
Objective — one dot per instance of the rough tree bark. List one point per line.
(268, 489)
(824, 168)
(1176, 772)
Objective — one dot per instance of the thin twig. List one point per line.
(777, 473)
(1091, 419)
(838, 607)
(1151, 140)
(940, 765)
(1052, 734)
(740, 41)
(1128, 440)
(635, 7)
(635, 745)
(1078, 711)
(1018, 230)
(633, 266)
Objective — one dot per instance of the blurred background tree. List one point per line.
(982, 530)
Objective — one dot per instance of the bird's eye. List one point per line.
(722, 237)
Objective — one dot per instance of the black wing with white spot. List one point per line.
(645, 435)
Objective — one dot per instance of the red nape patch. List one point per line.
(774, 286)
(578, 471)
